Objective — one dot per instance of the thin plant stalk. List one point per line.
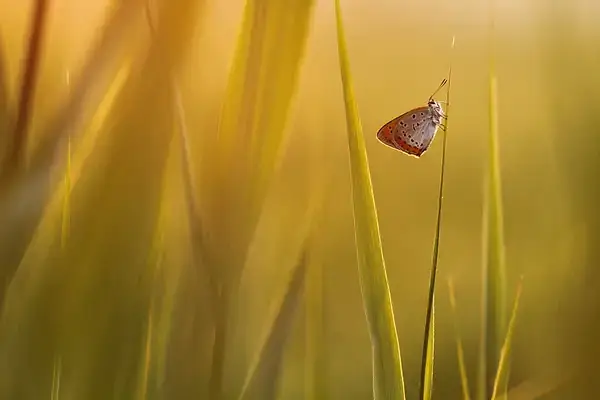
(428, 341)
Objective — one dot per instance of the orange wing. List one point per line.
(386, 133)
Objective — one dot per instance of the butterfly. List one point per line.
(413, 131)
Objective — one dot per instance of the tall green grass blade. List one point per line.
(427, 360)
(263, 378)
(427, 377)
(460, 353)
(500, 382)
(388, 380)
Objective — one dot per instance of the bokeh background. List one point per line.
(78, 312)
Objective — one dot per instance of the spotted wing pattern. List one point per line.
(415, 131)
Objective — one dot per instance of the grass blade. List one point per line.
(428, 336)
(459, 347)
(387, 365)
(262, 380)
(500, 382)
(429, 356)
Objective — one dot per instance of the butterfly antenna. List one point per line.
(444, 81)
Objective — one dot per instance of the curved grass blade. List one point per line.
(427, 359)
(501, 381)
(388, 378)
(262, 380)
(459, 347)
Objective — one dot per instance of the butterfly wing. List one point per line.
(414, 131)
(386, 133)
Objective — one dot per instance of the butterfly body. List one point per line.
(413, 131)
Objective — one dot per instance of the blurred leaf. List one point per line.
(494, 274)
(500, 380)
(387, 366)
(460, 354)
(103, 255)
(19, 304)
(263, 378)
(261, 85)
(24, 195)
(537, 390)
(6, 112)
(237, 170)
(30, 71)
(105, 58)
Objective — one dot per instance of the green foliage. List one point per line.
(388, 379)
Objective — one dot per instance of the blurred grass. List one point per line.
(501, 370)
(494, 318)
(24, 194)
(101, 305)
(315, 373)
(460, 353)
(238, 169)
(388, 379)
(30, 73)
(263, 377)
(126, 216)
